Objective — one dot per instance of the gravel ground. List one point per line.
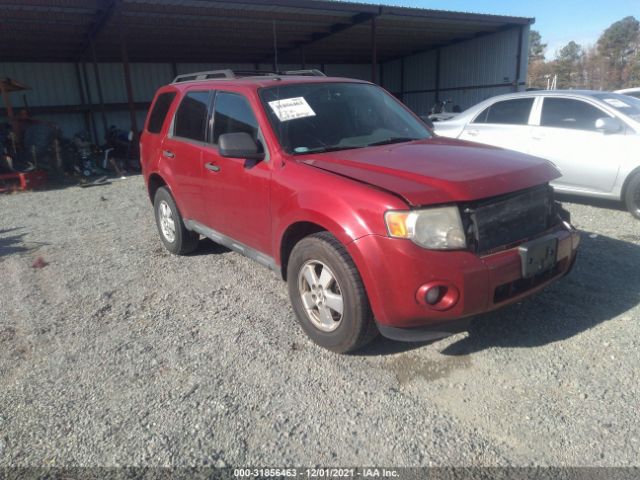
(118, 353)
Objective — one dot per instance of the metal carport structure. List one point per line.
(106, 57)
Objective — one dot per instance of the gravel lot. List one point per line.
(117, 353)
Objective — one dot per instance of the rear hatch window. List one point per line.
(159, 112)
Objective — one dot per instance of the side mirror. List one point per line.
(608, 125)
(239, 145)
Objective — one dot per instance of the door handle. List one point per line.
(472, 133)
(212, 167)
(168, 153)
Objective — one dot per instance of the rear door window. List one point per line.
(191, 118)
(159, 112)
(570, 113)
(507, 112)
(233, 114)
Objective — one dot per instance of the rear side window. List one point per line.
(233, 114)
(191, 117)
(509, 112)
(159, 112)
(569, 113)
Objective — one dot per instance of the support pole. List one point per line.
(402, 78)
(437, 74)
(303, 62)
(127, 73)
(374, 52)
(519, 58)
(96, 72)
(275, 47)
(7, 103)
(89, 123)
(12, 119)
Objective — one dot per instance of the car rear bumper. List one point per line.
(396, 273)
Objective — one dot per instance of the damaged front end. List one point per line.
(503, 222)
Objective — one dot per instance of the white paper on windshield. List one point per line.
(614, 102)
(291, 108)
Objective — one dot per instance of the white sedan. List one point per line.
(592, 137)
(632, 92)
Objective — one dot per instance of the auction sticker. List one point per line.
(291, 108)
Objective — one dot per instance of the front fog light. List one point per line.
(438, 295)
(433, 295)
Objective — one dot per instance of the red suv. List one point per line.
(376, 224)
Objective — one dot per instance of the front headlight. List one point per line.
(437, 228)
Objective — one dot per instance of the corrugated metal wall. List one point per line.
(51, 83)
(483, 61)
(469, 72)
(392, 75)
(488, 64)
(57, 84)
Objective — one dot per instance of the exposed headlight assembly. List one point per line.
(438, 228)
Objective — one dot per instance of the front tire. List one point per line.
(328, 296)
(632, 195)
(174, 235)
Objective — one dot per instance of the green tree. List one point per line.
(569, 66)
(618, 46)
(595, 70)
(536, 47)
(537, 67)
(631, 72)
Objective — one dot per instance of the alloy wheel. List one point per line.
(321, 295)
(167, 223)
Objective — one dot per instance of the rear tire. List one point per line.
(328, 296)
(632, 195)
(174, 235)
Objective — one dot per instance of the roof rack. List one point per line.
(231, 74)
(310, 73)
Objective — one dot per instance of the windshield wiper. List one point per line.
(332, 148)
(391, 140)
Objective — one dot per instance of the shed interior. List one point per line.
(93, 63)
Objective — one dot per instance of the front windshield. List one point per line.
(321, 117)
(630, 106)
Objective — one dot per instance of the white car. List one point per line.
(632, 92)
(592, 137)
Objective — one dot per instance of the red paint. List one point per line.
(347, 193)
(393, 270)
(447, 299)
(438, 170)
(23, 180)
(39, 263)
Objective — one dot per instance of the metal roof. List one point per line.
(231, 30)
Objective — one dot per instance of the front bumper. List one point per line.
(393, 270)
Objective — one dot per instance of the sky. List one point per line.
(558, 21)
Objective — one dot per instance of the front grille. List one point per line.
(500, 222)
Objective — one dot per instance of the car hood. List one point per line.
(437, 170)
